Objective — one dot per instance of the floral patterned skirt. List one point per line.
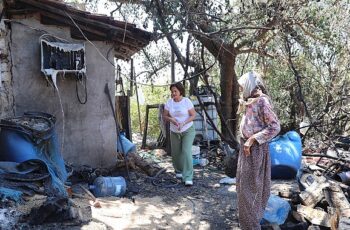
(253, 185)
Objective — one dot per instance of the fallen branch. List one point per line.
(94, 202)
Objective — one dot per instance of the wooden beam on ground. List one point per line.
(148, 167)
(338, 200)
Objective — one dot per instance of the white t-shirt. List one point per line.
(179, 111)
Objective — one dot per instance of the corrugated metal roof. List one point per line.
(126, 37)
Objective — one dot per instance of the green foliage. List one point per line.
(152, 96)
(301, 47)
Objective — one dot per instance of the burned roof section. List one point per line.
(126, 37)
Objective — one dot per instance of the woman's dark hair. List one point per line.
(179, 87)
(263, 89)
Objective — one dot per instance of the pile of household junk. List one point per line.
(31, 164)
(321, 198)
(324, 181)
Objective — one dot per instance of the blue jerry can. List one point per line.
(285, 153)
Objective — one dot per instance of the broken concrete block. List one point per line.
(313, 194)
(80, 215)
(344, 223)
(315, 216)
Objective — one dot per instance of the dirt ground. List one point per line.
(157, 204)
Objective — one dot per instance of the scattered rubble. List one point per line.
(318, 197)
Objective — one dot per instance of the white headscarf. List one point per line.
(249, 81)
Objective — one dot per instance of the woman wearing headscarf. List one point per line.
(259, 125)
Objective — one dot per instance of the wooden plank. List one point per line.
(338, 200)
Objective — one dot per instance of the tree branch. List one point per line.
(261, 34)
(226, 30)
(257, 51)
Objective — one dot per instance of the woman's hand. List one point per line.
(247, 145)
(181, 125)
(174, 121)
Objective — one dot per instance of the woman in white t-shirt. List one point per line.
(179, 111)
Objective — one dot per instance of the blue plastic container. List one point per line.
(285, 153)
(276, 211)
(124, 145)
(195, 159)
(108, 186)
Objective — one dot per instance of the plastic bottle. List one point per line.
(108, 186)
(277, 210)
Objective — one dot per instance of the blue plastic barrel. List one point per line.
(108, 186)
(16, 146)
(285, 153)
(21, 136)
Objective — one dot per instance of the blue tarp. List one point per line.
(11, 194)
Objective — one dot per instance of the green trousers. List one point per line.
(181, 152)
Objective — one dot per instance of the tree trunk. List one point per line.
(229, 93)
(229, 105)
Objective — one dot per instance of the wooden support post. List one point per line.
(144, 139)
(138, 108)
(122, 112)
(131, 77)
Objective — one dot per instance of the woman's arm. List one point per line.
(167, 117)
(271, 121)
(192, 116)
(272, 128)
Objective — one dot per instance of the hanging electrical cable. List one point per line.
(80, 79)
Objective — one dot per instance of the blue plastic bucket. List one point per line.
(285, 153)
(124, 145)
